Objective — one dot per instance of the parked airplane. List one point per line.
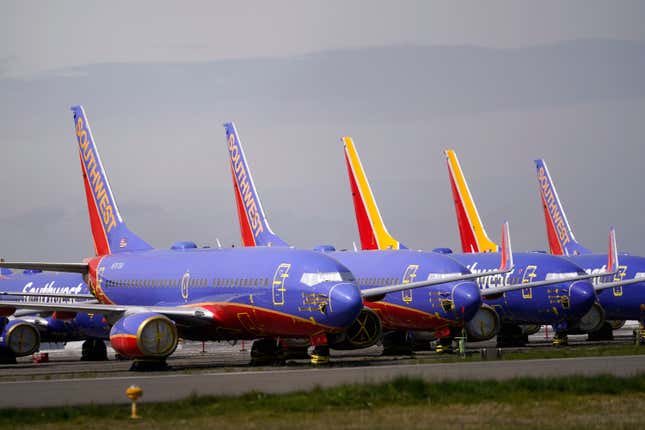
(438, 308)
(569, 296)
(618, 304)
(153, 296)
(477, 239)
(22, 334)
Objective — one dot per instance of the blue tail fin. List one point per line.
(108, 229)
(254, 226)
(561, 238)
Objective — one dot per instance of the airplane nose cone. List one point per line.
(345, 303)
(581, 296)
(467, 300)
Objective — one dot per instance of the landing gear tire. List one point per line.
(7, 357)
(560, 339)
(397, 343)
(444, 345)
(511, 336)
(149, 365)
(605, 332)
(266, 352)
(320, 355)
(94, 350)
(616, 324)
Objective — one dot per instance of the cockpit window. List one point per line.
(312, 279)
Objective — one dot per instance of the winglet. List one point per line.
(471, 230)
(254, 227)
(108, 229)
(612, 252)
(371, 229)
(506, 254)
(559, 232)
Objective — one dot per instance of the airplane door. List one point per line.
(409, 277)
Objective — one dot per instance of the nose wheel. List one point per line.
(560, 339)
(320, 355)
(444, 345)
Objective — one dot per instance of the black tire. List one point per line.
(94, 350)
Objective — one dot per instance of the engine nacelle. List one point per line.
(144, 335)
(365, 331)
(593, 319)
(484, 325)
(19, 337)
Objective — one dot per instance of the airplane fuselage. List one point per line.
(252, 292)
(551, 304)
(53, 329)
(428, 308)
(619, 303)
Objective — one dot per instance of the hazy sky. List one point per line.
(41, 35)
(500, 82)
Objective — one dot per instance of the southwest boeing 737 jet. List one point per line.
(474, 239)
(438, 309)
(568, 297)
(618, 304)
(22, 334)
(152, 296)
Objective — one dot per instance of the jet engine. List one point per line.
(18, 337)
(365, 331)
(593, 319)
(144, 335)
(484, 325)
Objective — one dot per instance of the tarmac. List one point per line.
(223, 369)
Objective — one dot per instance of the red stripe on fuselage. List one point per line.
(466, 233)
(245, 226)
(248, 321)
(554, 244)
(397, 317)
(101, 244)
(368, 239)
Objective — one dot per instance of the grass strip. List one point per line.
(402, 391)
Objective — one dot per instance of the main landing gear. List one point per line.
(511, 335)
(149, 365)
(7, 356)
(266, 352)
(397, 343)
(94, 350)
(605, 332)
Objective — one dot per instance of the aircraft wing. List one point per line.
(605, 285)
(172, 312)
(59, 296)
(612, 269)
(505, 266)
(49, 267)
